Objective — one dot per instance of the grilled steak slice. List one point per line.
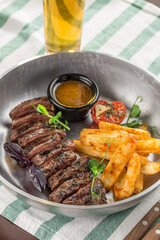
(22, 130)
(35, 136)
(26, 107)
(65, 145)
(79, 165)
(30, 118)
(83, 196)
(48, 145)
(69, 187)
(61, 161)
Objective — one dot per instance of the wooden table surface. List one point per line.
(8, 230)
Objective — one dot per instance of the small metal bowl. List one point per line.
(72, 113)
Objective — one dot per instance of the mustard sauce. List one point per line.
(73, 94)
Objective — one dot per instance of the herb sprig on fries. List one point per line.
(97, 168)
(134, 113)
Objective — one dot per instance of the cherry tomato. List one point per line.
(115, 112)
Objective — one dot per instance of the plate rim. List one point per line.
(80, 207)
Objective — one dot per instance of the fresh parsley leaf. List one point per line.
(53, 119)
(42, 109)
(133, 124)
(93, 162)
(66, 122)
(96, 168)
(135, 111)
(101, 167)
(94, 171)
(58, 115)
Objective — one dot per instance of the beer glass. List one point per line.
(63, 21)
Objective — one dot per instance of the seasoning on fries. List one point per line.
(127, 155)
(130, 178)
(118, 161)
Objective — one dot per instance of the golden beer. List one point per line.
(63, 24)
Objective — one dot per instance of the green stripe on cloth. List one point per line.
(12, 211)
(22, 37)
(141, 40)
(155, 66)
(5, 13)
(94, 8)
(90, 12)
(47, 230)
(108, 225)
(115, 26)
(41, 51)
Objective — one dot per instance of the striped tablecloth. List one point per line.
(125, 28)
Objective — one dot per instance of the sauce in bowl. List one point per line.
(73, 93)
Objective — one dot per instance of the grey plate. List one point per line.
(117, 80)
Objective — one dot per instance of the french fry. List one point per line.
(91, 150)
(133, 170)
(143, 159)
(119, 182)
(118, 161)
(149, 146)
(150, 168)
(100, 143)
(142, 135)
(116, 133)
(139, 184)
(102, 140)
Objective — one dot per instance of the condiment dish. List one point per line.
(80, 86)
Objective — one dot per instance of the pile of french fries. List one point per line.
(128, 149)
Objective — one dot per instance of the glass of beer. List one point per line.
(63, 21)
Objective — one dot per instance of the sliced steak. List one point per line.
(83, 196)
(26, 107)
(45, 156)
(22, 130)
(30, 118)
(48, 145)
(79, 165)
(35, 136)
(69, 187)
(58, 162)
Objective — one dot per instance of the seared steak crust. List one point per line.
(79, 165)
(29, 118)
(26, 107)
(69, 187)
(83, 195)
(68, 177)
(65, 145)
(45, 146)
(35, 136)
(58, 162)
(19, 132)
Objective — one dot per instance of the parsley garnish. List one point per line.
(53, 119)
(97, 168)
(134, 113)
